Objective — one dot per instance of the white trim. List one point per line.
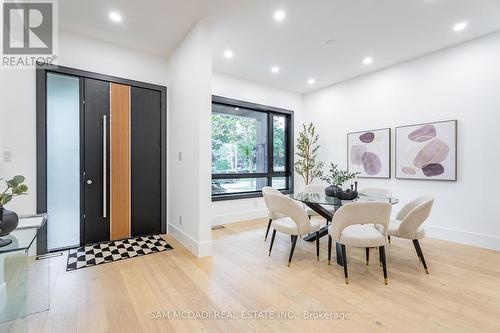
(205, 249)
(238, 217)
(463, 237)
(199, 249)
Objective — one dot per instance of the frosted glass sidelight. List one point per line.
(63, 160)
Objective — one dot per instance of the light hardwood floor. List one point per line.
(461, 294)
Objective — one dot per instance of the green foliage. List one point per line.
(337, 177)
(16, 187)
(222, 165)
(240, 131)
(223, 130)
(235, 146)
(307, 164)
(279, 153)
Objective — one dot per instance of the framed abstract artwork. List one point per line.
(427, 151)
(369, 153)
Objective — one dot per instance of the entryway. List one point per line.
(101, 157)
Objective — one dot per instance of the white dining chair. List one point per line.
(350, 227)
(408, 224)
(376, 192)
(295, 223)
(272, 215)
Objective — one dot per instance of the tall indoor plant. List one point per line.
(8, 219)
(307, 164)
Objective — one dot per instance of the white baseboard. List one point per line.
(463, 237)
(205, 249)
(199, 249)
(238, 217)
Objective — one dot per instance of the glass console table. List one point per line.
(24, 279)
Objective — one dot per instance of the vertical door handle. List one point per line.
(104, 168)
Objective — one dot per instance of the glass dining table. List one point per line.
(326, 207)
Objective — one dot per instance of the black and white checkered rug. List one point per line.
(96, 254)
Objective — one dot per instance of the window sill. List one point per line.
(239, 196)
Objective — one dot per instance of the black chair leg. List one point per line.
(344, 262)
(329, 249)
(384, 262)
(417, 251)
(317, 245)
(367, 255)
(294, 242)
(389, 239)
(272, 242)
(380, 257)
(420, 254)
(268, 227)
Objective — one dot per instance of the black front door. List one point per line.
(95, 154)
(146, 161)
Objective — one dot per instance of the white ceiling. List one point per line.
(390, 31)
(153, 26)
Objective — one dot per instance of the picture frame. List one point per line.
(369, 153)
(427, 151)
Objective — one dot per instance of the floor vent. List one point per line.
(218, 227)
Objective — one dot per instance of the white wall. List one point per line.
(190, 68)
(17, 99)
(106, 58)
(458, 83)
(17, 133)
(236, 88)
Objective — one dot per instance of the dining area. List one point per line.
(375, 222)
(374, 256)
(365, 221)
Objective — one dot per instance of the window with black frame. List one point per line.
(250, 149)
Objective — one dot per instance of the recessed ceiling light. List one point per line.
(279, 15)
(275, 69)
(460, 26)
(115, 17)
(311, 81)
(367, 60)
(228, 54)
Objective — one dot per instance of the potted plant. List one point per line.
(8, 219)
(336, 178)
(307, 164)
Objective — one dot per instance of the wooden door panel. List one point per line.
(120, 161)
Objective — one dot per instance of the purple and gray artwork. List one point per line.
(426, 151)
(369, 153)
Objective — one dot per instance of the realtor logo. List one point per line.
(28, 33)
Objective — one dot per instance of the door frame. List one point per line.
(41, 132)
